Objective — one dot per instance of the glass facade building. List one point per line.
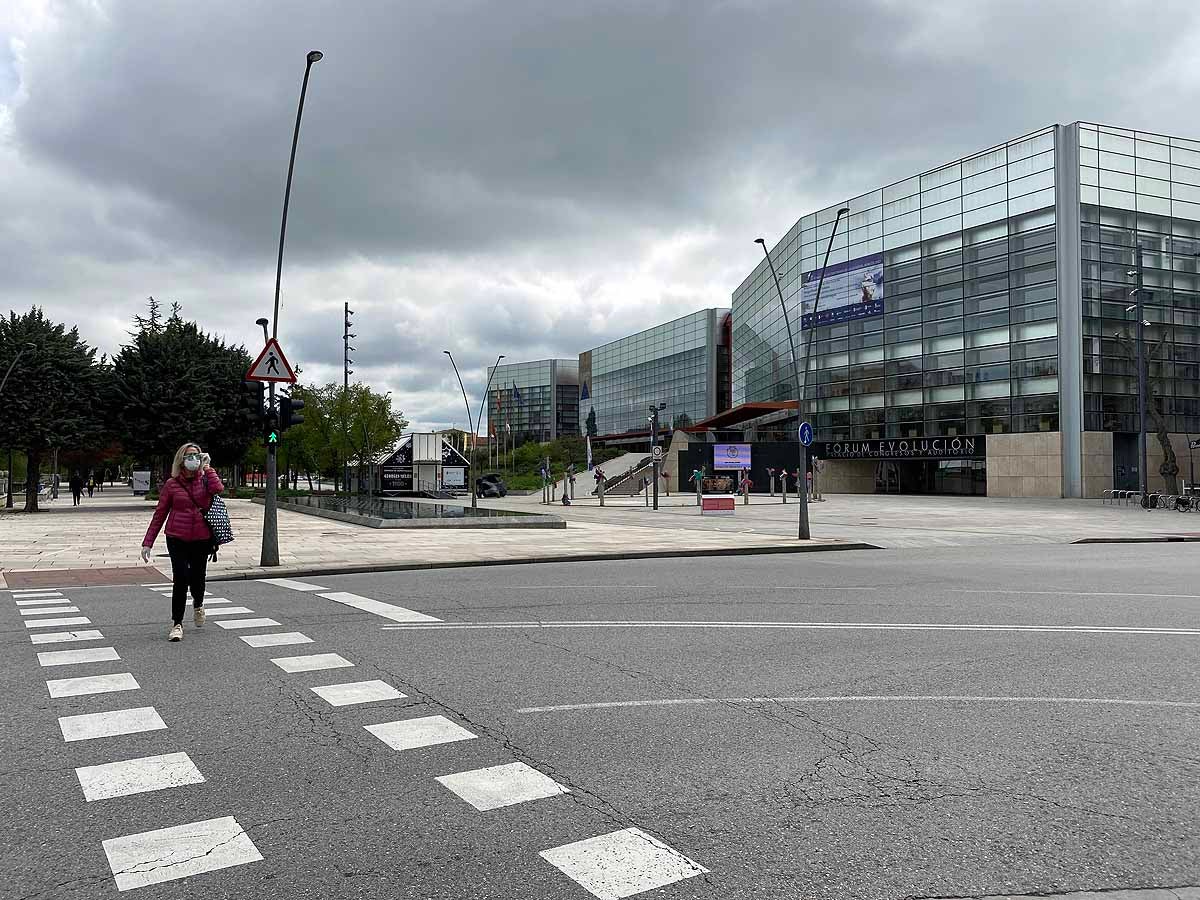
(683, 363)
(534, 401)
(987, 297)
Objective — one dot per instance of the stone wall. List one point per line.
(847, 476)
(1024, 465)
(1097, 463)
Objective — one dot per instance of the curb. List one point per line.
(290, 571)
(1161, 539)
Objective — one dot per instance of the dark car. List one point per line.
(490, 486)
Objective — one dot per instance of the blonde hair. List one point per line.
(177, 463)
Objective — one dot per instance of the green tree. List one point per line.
(366, 424)
(55, 395)
(592, 429)
(174, 383)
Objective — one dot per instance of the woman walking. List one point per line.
(182, 502)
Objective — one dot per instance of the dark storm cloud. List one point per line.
(527, 178)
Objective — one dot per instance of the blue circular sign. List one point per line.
(806, 433)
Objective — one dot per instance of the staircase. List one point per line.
(629, 482)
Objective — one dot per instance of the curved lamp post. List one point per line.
(270, 540)
(803, 530)
(473, 424)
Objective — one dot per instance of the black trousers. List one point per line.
(189, 564)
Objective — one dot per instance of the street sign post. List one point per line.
(806, 433)
(271, 365)
(657, 453)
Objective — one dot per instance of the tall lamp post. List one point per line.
(801, 476)
(270, 539)
(1136, 272)
(28, 348)
(472, 425)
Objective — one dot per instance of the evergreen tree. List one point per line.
(591, 422)
(174, 383)
(54, 398)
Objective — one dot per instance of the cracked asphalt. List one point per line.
(932, 795)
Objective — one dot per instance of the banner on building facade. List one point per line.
(964, 447)
(852, 290)
(731, 456)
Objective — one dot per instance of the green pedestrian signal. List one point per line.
(273, 437)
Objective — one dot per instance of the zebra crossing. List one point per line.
(617, 864)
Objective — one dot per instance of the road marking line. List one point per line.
(70, 620)
(64, 637)
(166, 854)
(110, 724)
(378, 607)
(866, 626)
(165, 589)
(226, 611)
(137, 776)
(498, 786)
(209, 601)
(314, 662)
(621, 864)
(92, 684)
(409, 734)
(45, 611)
(247, 623)
(357, 692)
(33, 592)
(46, 601)
(870, 698)
(74, 657)
(279, 639)
(293, 585)
(158, 584)
(1084, 593)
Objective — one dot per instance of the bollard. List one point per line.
(600, 490)
(783, 486)
(771, 481)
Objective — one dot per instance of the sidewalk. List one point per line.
(106, 535)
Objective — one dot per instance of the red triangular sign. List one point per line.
(271, 365)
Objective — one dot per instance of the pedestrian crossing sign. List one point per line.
(271, 365)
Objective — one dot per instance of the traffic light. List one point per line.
(253, 395)
(270, 428)
(289, 407)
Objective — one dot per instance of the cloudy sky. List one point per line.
(506, 177)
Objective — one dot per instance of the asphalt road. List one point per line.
(824, 752)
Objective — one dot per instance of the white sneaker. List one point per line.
(176, 633)
(198, 616)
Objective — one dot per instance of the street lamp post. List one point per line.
(801, 475)
(8, 495)
(270, 539)
(472, 425)
(1143, 475)
(483, 402)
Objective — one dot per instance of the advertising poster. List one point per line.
(731, 456)
(852, 290)
(454, 476)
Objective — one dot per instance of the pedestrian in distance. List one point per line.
(91, 485)
(76, 485)
(182, 502)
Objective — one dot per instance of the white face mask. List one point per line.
(191, 464)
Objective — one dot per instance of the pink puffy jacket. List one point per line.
(186, 520)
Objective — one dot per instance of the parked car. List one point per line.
(490, 486)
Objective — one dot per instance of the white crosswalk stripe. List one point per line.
(76, 657)
(280, 639)
(137, 776)
(410, 734)
(92, 684)
(58, 623)
(621, 864)
(109, 724)
(49, 611)
(247, 623)
(312, 663)
(166, 854)
(357, 692)
(499, 786)
(65, 637)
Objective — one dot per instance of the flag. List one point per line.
(589, 452)
(516, 394)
